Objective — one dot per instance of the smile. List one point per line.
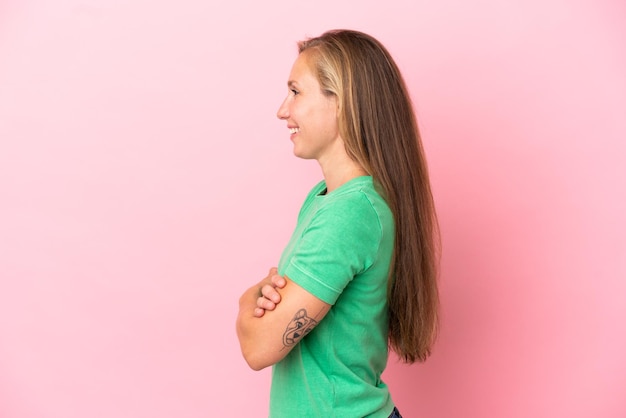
(294, 130)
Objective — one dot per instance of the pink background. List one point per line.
(145, 183)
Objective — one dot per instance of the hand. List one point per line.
(269, 295)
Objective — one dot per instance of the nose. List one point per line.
(283, 110)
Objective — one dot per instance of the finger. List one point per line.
(258, 312)
(279, 281)
(273, 271)
(265, 303)
(270, 293)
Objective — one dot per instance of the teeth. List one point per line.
(294, 130)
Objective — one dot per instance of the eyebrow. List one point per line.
(291, 83)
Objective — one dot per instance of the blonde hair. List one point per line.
(378, 126)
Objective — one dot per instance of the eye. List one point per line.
(294, 91)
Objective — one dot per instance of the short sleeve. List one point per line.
(340, 241)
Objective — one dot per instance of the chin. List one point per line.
(302, 155)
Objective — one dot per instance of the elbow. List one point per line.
(256, 349)
(256, 365)
(255, 360)
(249, 354)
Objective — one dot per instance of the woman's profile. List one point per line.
(359, 275)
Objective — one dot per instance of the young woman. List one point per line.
(359, 273)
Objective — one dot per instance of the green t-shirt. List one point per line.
(340, 252)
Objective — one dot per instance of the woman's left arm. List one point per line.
(267, 337)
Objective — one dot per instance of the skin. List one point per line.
(270, 297)
(276, 313)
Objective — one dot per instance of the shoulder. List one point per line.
(354, 218)
(359, 201)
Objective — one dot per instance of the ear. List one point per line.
(337, 106)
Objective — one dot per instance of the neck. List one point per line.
(339, 171)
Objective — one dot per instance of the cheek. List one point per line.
(331, 115)
(331, 124)
(298, 112)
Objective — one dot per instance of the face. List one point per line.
(311, 116)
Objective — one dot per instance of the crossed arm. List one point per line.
(274, 315)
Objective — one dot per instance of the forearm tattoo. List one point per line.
(298, 327)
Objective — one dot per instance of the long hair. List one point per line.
(379, 128)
